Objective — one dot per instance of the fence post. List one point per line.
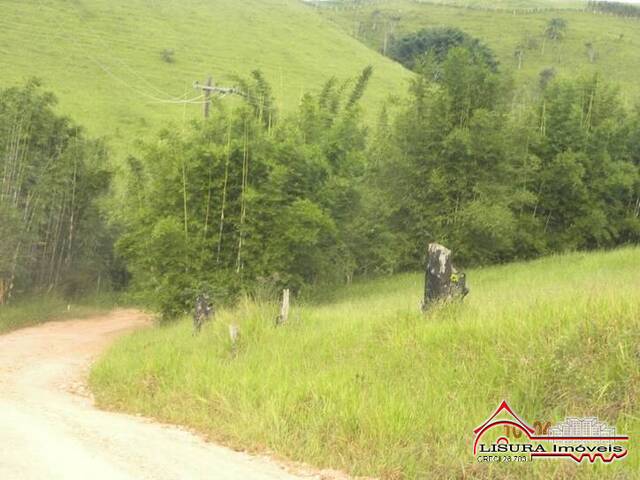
(284, 308)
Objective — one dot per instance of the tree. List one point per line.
(448, 162)
(556, 28)
(457, 168)
(53, 233)
(240, 200)
(588, 183)
(437, 42)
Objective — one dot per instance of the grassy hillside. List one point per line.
(103, 58)
(615, 40)
(362, 382)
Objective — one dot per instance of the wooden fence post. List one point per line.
(234, 335)
(284, 308)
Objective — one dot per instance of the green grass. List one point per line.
(362, 382)
(30, 311)
(615, 39)
(103, 57)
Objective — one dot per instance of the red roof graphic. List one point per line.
(505, 406)
(517, 422)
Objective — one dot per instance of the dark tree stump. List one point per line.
(442, 281)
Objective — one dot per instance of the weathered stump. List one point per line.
(442, 281)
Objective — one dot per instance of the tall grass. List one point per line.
(367, 384)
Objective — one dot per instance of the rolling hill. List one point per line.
(123, 68)
(592, 43)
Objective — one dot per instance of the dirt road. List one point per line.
(49, 428)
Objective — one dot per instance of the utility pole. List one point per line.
(210, 88)
(207, 96)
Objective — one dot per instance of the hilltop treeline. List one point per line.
(615, 8)
(244, 201)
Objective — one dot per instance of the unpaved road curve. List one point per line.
(50, 430)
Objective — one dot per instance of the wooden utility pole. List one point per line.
(210, 88)
(207, 96)
(234, 335)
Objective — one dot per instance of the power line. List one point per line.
(142, 90)
(108, 71)
(101, 39)
(209, 88)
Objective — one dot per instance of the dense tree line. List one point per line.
(52, 234)
(242, 200)
(251, 198)
(496, 183)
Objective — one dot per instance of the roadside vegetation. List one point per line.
(360, 380)
(33, 310)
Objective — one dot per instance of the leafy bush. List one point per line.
(167, 55)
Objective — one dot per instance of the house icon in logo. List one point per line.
(575, 438)
(515, 421)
